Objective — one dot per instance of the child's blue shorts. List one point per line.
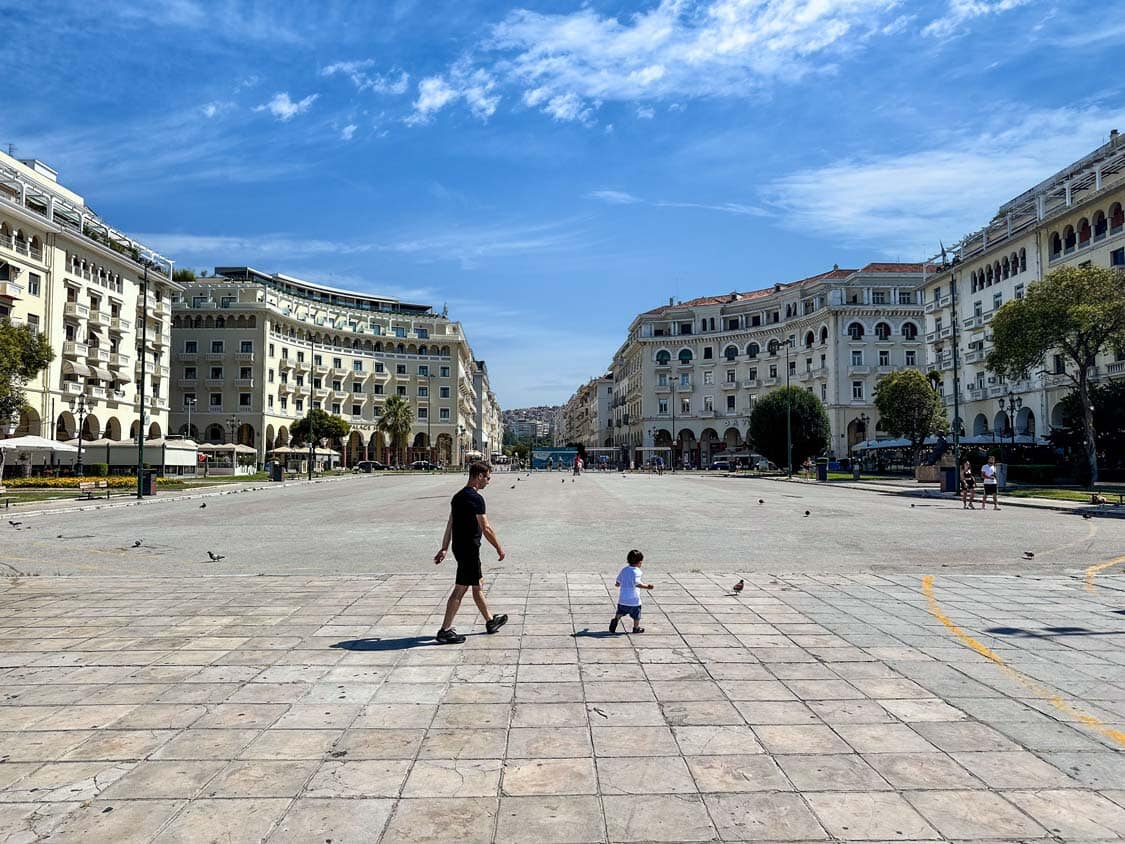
(632, 612)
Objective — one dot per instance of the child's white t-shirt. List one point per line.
(989, 472)
(629, 577)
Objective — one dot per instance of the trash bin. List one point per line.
(277, 471)
(148, 485)
(949, 479)
(822, 470)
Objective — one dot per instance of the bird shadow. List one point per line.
(1049, 632)
(403, 644)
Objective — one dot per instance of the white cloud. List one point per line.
(646, 113)
(962, 11)
(246, 82)
(215, 108)
(348, 132)
(284, 109)
(614, 197)
(396, 82)
(474, 86)
(677, 48)
(904, 204)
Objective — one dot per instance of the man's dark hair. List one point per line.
(477, 469)
(634, 557)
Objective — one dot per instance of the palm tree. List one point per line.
(397, 419)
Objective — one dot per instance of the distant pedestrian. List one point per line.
(629, 598)
(968, 486)
(466, 525)
(991, 483)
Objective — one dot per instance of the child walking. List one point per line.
(629, 599)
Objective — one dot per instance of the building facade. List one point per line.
(688, 374)
(1073, 218)
(71, 276)
(254, 351)
(586, 418)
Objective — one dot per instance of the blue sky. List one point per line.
(550, 169)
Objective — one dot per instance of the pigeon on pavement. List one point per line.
(739, 586)
(137, 543)
(1027, 555)
(203, 505)
(806, 514)
(215, 557)
(14, 524)
(761, 501)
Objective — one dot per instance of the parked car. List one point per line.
(720, 466)
(424, 465)
(368, 466)
(764, 465)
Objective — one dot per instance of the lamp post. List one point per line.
(1014, 404)
(80, 410)
(144, 377)
(312, 440)
(863, 419)
(672, 450)
(788, 415)
(189, 404)
(461, 445)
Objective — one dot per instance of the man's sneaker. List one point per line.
(495, 623)
(449, 637)
(613, 625)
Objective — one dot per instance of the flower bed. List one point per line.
(115, 482)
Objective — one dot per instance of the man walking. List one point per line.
(467, 524)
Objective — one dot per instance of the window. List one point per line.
(1060, 365)
(708, 377)
(685, 356)
(190, 373)
(662, 407)
(997, 301)
(216, 347)
(1117, 257)
(423, 413)
(336, 385)
(772, 347)
(424, 370)
(857, 357)
(400, 391)
(216, 373)
(685, 328)
(708, 353)
(191, 347)
(357, 410)
(400, 369)
(33, 324)
(423, 392)
(857, 390)
(215, 400)
(883, 331)
(884, 357)
(377, 390)
(443, 414)
(662, 380)
(753, 374)
(708, 403)
(357, 366)
(336, 409)
(443, 392)
(730, 404)
(189, 399)
(685, 379)
(33, 282)
(937, 324)
(245, 373)
(400, 331)
(731, 377)
(1019, 291)
(911, 358)
(423, 333)
(284, 353)
(879, 297)
(824, 392)
(244, 400)
(445, 372)
(752, 350)
(337, 363)
(773, 370)
(905, 297)
(378, 367)
(855, 331)
(198, 301)
(299, 405)
(318, 360)
(357, 387)
(300, 357)
(730, 352)
(755, 320)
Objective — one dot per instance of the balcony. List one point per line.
(859, 370)
(117, 395)
(886, 369)
(99, 318)
(1115, 368)
(729, 385)
(931, 336)
(945, 301)
(244, 382)
(707, 413)
(997, 390)
(751, 383)
(215, 356)
(214, 382)
(770, 382)
(804, 375)
(188, 382)
(76, 310)
(118, 360)
(71, 388)
(10, 289)
(73, 349)
(974, 356)
(97, 354)
(211, 408)
(188, 357)
(929, 307)
(244, 357)
(975, 321)
(945, 332)
(148, 362)
(118, 324)
(96, 392)
(149, 302)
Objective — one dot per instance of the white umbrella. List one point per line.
(33, 443)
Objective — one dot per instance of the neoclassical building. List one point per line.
(252, 351)
(71, 276)
(586, 417)
(1074, 217)
(689, 372)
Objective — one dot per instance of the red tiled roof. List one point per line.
(752, 294)
(892, 267)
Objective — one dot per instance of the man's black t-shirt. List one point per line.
(466, 506)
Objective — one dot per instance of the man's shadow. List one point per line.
(587, 633)
(403, 644)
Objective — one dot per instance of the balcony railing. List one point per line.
(10, 289)
(246, 357)
(214, 382)
(71, 388)
(99, 355)
(244, 382)
(931, 336)
(975, 321)
(188, 382)
(859, 370)
(1115, 368)
(98, 318)
(118, 360)
(215, 355)
(96, 392)
(189, 357)
(73, 349)
(76, 310)
(119, 324)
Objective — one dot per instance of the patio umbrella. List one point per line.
(34, 443)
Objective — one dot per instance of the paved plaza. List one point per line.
(894, 701)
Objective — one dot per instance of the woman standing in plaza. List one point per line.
(968, 486)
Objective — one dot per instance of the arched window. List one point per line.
(772, 346)
(810, 338)
(1069, 238)
(730, 352)
(909, 331)
(752, 350)
(973, 281)
(1101, 225)
(422, 350)
(1005, 268)
(883, 331)
(1084, 232)
(855, 331)
(1056, 245)
(823, 334)
(1116, 218)
(1023, 260)
(988, 276)
(685, 356)
(663, 357)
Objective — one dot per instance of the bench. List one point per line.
(92, 488)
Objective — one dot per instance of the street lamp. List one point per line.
(1014, 404)
(80, 410)
(672, 450)
(461, 445)
(189, 404)
(143, 355)
(233, 423)
(788, 414)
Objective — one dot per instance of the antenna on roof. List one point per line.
(12, 150)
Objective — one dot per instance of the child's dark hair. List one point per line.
(634, 557)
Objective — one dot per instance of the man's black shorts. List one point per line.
(468, 565)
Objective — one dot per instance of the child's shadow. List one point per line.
(587, 633)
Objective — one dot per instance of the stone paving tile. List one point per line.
(337, 820)
(974, 815)
(869, 815)
(233, 821)
(1072, 815)
(108, 820)
(763, 817)
(439, 820)
(831, 772)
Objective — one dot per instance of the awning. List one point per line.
(69, 367)
(101, 374)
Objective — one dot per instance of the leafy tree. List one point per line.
(324, 425)
(810, 427)
(1078, 312)
(397, 419)
(23, 354)
(1108, 401)
(183, 274)
(909, 407)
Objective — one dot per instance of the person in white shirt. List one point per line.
(629, 598)
(991, 483)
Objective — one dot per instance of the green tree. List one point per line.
(909, 407)
(397, 420)
(23, 354)
(324, 425)
(810, 428)
(1108, 401)
(183, 274)
(1077, 312)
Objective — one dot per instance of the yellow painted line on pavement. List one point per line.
(1093, 571)
(1040, 690)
